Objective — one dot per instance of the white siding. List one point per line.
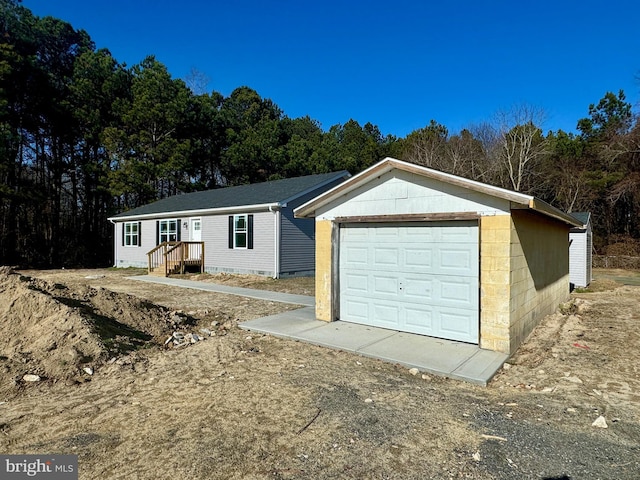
(580, 257)
(402, 192)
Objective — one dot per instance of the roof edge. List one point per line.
(553, 212)
(202, 211)
(386, 165)
(341, 174)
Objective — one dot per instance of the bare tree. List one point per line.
(484, 165)
(522, 144)
(197, 81)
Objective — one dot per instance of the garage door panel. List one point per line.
(457, 293)
(354, 234)
(385, 285)
(384, 257)
(357, 257)
(418, 289)
(386, 314)
(420, 278)
(424, 234)
(356, 284)
(420, 258)
(457, 235)
(457, 326)
(419, 320)
(357, 311)
(386, 235)
(457, 260)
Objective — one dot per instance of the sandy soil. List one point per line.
(240, 405)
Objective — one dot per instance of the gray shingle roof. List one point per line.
(582, 217)
(276, 191)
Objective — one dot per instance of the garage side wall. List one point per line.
(539, 271)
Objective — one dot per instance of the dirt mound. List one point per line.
(54, 331)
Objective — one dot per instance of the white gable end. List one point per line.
(399, 192)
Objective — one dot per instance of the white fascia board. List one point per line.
(388, 164)
(345, 187)
(202, 211)
(528, 201)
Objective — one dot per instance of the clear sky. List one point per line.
(395, 63)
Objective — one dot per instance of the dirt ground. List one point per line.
(238, 405)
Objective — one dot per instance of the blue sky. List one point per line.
(397, 64)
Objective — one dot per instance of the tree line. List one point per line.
(83, 137)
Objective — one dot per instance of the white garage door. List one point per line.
(418, 278)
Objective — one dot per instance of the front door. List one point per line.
(196, 230)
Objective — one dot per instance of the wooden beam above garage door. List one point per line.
(411, 217)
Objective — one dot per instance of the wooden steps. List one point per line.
(170, 258)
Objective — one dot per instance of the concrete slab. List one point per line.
(286, 324)
(424, 353)
(305, 300)
(343, 336)
(482, 365)
(451, 359)
(461, 361)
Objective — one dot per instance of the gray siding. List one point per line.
(135, 256)
(215, 233)
(220, 258)
(297, 252)
(296, 246)
(298, 237)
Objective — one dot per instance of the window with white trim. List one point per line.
(131, 234)
(168, 231)
(240, 229)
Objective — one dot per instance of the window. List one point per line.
(168, 231)
(131, 234)
(241, 231)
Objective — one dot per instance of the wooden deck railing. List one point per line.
(173, 257)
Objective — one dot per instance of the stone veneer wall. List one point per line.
(324, 261)
(495, 282)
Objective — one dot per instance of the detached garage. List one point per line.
(408, 248)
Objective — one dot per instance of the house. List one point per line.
(580, 250)
(413, 249)
(243, 229)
